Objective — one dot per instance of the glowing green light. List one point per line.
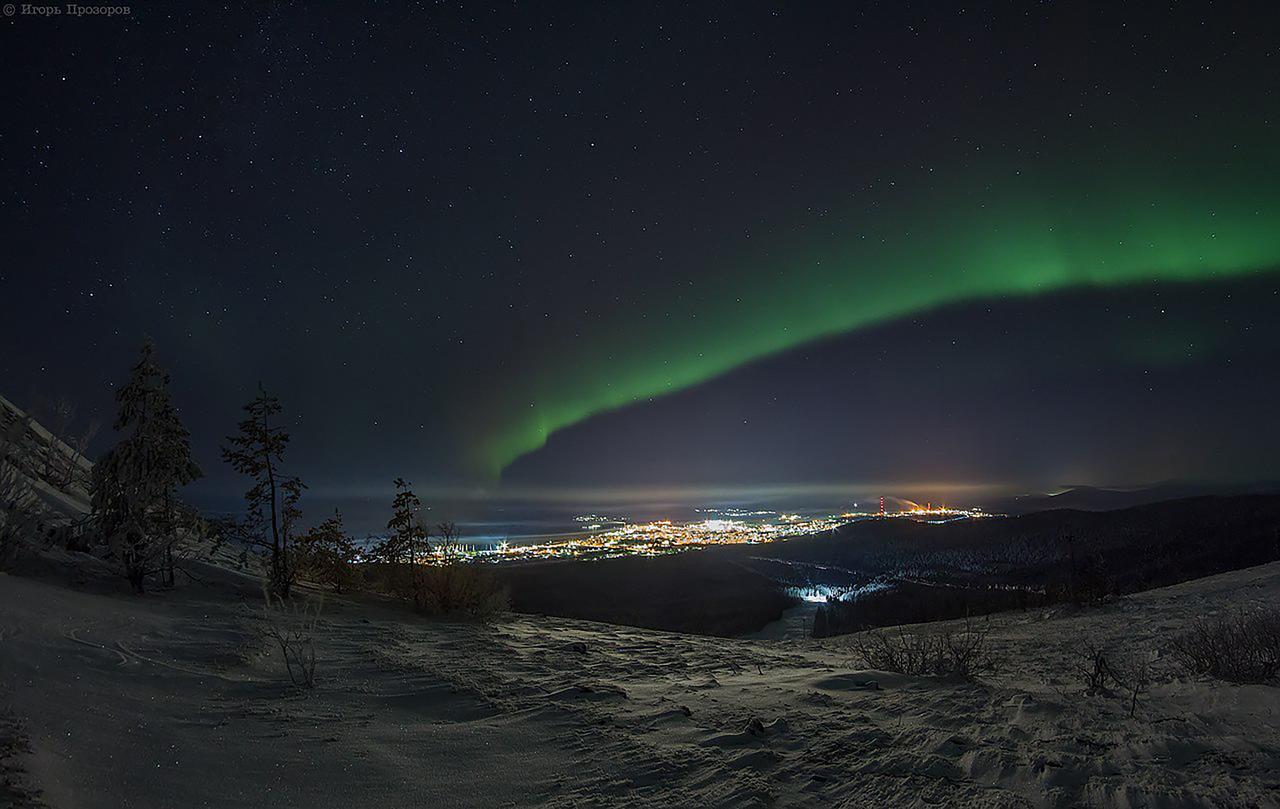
(1008, 235)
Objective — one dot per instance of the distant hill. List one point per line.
(1093, 498)
(978, 566)
(1210, 528)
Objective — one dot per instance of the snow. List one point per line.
(173, 700)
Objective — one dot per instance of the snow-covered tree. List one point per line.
(135, 484)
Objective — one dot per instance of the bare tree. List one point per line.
(19, 512)
(66, 448)
(448, 544)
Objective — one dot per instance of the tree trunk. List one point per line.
(280, 582)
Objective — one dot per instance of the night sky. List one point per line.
(552, 244)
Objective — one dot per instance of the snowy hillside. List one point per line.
(176, 699)
(55, 471)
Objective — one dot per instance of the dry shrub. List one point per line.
(1096, 670)
(1241, 647)
(460, 588)
(293, 624)
(948, 652)
(1113, 674)
(453, 585)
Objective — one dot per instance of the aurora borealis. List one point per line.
(1008, 236)
(738, 243)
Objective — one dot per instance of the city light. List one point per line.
(610, 537)
(660, 537)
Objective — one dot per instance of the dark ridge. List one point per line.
(948, 571)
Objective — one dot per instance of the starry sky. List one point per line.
(541, 245)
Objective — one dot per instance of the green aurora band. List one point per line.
(1003, 234)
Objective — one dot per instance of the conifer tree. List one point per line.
(407, 543)
(273, 500)
(135, 485)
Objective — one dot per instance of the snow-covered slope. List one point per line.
(174, 700)
(58, 474)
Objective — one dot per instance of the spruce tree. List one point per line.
(135, 485)
(273, 500)
(404, 549)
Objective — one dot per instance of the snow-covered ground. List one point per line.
(173, 699)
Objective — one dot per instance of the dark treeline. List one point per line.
(947, 571)
(909, 602)
(138, 523)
